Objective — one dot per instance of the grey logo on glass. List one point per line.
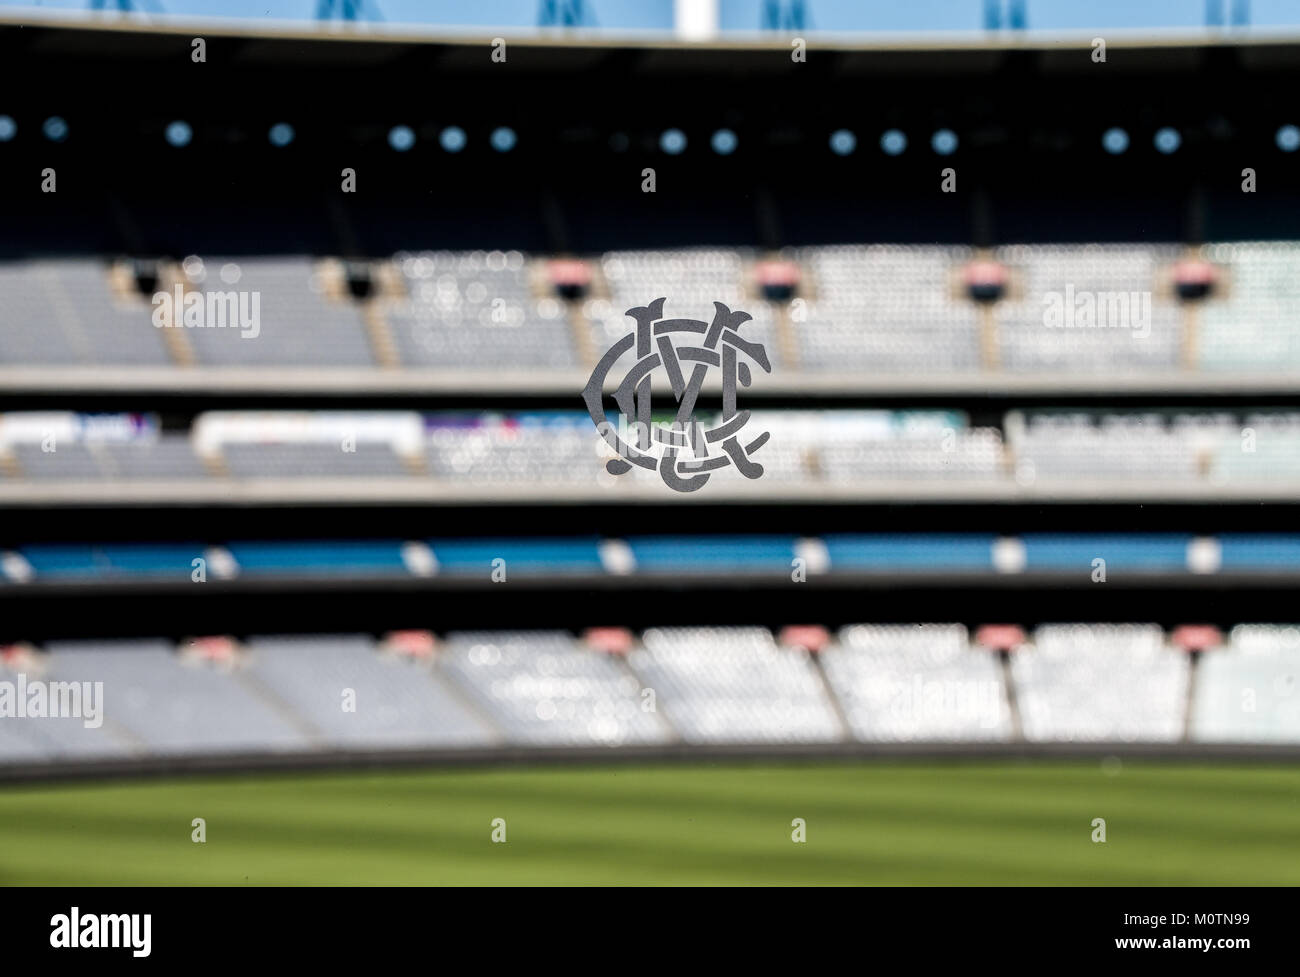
(685, 451)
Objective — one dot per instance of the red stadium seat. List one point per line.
(571, 277)
(1000, 637)
(811, 637)
(410, 644)
(18, 657)
(1196, 637)
(214, 649)
(611, 641)
(777, 280)
(986, 281)
(1194, 278)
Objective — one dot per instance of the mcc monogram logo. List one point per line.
(684, 452)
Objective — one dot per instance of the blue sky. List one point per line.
(845, 15)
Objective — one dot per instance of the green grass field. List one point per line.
(872, 822)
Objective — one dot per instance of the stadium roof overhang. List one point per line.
(76, 34)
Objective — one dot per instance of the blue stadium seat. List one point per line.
(325, 557)
(112, 559)
(1143, 552)
(580, 555)
(1259, 551)
(891, 551)
(713, 554)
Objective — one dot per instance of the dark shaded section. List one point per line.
(319, 607)
(1029, 163)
